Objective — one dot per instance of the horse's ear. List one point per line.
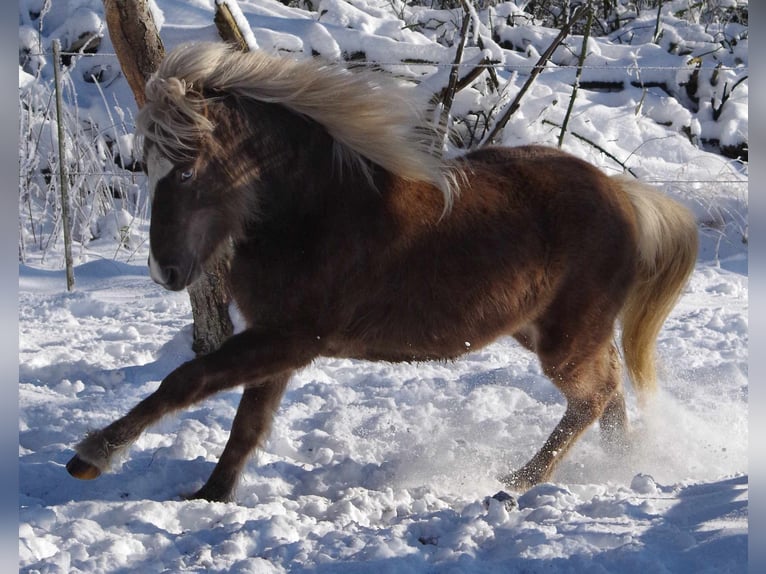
(202, 101)
(205, 98)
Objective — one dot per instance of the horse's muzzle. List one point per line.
(170, 277)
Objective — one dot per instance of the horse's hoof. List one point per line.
(78, 468)
(508, 501)
(210, 494)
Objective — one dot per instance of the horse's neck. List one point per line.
(300, 174)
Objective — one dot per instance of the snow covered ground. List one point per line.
(373, 467)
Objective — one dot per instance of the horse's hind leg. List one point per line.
(613, 422)
(248, 431)
(590, 383)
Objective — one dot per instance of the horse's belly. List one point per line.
(443, 318)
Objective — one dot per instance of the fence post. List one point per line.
(63, 175)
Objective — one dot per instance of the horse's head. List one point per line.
(188, 222)
(229, 134)
(191, 181)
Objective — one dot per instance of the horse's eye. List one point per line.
(186, 174)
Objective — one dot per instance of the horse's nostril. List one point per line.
(171, 277)
(168, 276)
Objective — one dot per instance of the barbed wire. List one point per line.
(514, 66)
(548, 66)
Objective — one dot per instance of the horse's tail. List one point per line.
(667, 252)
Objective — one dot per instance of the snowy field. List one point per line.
(374, 467)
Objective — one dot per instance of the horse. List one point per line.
(350, 234)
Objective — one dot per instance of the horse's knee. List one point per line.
(592, 377)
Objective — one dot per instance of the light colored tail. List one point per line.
(667, 250)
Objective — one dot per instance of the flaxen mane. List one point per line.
(368, 117)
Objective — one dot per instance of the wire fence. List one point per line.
(465, 71)
(510, 66)
(742, 72)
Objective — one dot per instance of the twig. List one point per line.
(465, 81)
(595, 145)
(657, 30)
(725, 97)
(578, 74)
(449, 93)
(538, 68)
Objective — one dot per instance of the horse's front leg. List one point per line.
(248, 358)
(248, 431)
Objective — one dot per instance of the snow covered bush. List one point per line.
(674, 69)
(105, 193)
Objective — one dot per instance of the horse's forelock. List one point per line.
(173, 117)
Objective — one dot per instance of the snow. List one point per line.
(374, 467)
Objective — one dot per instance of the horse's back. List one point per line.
(542, 174)
(583, 212)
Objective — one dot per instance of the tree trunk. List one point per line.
(136, 42)
(140, 51)
(210, 299)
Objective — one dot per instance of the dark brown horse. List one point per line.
(353, 238)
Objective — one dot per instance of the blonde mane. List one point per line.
(367, 116)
